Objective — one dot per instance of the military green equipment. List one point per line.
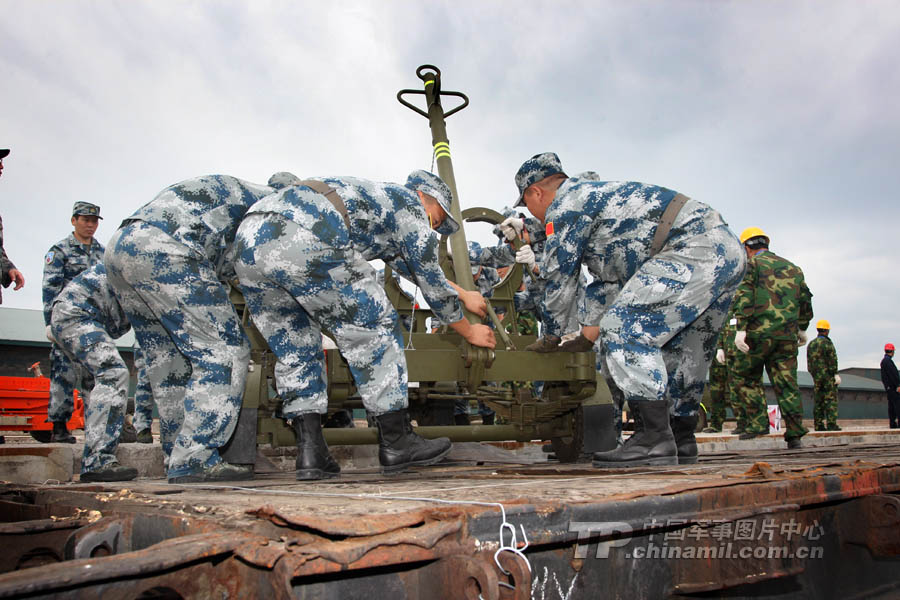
(443, 368)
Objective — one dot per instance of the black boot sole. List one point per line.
(643, 462)
(687, 460)
(105, 477)
(315, 474)
(395, 469)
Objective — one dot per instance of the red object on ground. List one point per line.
(24, 402)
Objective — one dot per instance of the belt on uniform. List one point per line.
(331, 194)
(665, 223)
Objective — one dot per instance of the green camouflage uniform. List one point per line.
(822, 363)
(721, 380)
(772, 305)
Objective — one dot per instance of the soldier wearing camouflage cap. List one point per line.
(664, 270)
(772, 308)
(302, 260)
(65, 260)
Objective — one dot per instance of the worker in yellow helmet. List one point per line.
(821, 360)
(771, 309)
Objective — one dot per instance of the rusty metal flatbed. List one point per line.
(825, 523)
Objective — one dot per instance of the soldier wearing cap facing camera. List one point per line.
(301, 259)
(65, 260)
(664, 268)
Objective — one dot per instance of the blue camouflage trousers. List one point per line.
(296, 285)
(195, 350)
(88, 346)
(65, 377)
(143, 394)
(659, 334)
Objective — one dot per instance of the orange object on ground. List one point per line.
(24, 402)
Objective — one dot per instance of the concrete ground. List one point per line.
(22, 460)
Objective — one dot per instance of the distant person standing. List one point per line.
(773, 307)
(891, 380)
(822, 362)
(66, 259)
(10, 274)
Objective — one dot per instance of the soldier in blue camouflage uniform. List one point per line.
(822, 363)
(656, 311)
(66, 259)
(85, 320)
(301, 258)
(169, 264)
(773, 307)
(143, 399)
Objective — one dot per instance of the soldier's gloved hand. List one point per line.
(837, 379)
(525, 255)
(740, 340)
(50, 335)
(720, 356)
(512, 227)
(801, 338)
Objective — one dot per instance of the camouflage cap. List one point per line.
(431, 184)
(87, 209)
(283, 179)
(536, 168)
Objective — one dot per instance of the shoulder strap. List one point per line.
(320, 187)
(665, 223)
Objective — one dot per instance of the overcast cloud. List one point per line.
(782, 115)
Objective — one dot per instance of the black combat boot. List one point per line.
(111, 472)
(314, 461)
(487, 419)
(652, 442)
(399, 447)
(461, 419)
(61, 434)
(683, 430)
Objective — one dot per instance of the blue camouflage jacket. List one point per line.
(387, 222)
(608, 227)
(66, 259)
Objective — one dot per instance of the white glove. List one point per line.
(512, 227)
(569, 336)
(525, 255)
(740, 340)
(837, 379)
(50, 334)
(801, 338)
(720, 356)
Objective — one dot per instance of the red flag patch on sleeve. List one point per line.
(549, 229)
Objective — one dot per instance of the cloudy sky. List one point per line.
(783, 115)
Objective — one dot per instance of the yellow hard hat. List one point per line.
(823, 324)
(752, 232)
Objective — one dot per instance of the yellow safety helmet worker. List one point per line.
(753, 232)
(823, 324)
